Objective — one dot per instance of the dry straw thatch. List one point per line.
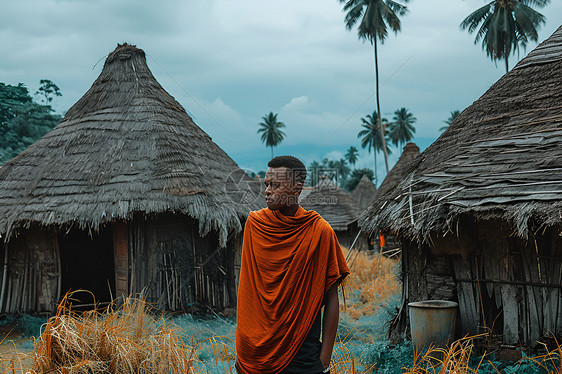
(398, 172)
(126, 146)
(500, 158)
(332, 203)
(364, 192)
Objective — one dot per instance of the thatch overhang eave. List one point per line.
(419, 217)
(93, 216)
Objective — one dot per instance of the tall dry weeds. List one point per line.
(126, 340)
(454, 359)
(373, 278)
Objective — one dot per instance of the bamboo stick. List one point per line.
(131, 262)
(59, 270)
(4, 277)
(34, 288)
(15, 291)
(9, 296)
(167, 281)
(24, 295)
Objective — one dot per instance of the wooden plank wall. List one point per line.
(518, 283)
(176, 268)
(33, 273)
(121, 258)
(502, 283)
(425, 276)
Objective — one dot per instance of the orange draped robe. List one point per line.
(288, 264)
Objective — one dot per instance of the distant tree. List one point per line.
(22, 120)
(351, 155)
(402, 127)
(454, 114)
(342, 171)
(313, 171)
(47, 90)
(270, 129)
(356, 176)
(371, 136)
(372, 18)
(505, 24)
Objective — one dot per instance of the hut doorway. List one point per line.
(87, 263)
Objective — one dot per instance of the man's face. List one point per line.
(280, 188)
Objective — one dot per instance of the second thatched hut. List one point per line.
(339, 209)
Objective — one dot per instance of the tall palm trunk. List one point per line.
(375, 153)
(506, 64)
(379, 122)
(271, 151)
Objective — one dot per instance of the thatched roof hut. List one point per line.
(398, 172)
(483, 205)
(336, 207)
(396, 175)
(364, 192)
(125, 155)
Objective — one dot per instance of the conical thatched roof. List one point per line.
(333, 204)
(364, 192)
(500, 158)
(125, 147)
(398, 171)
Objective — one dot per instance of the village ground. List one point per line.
(369, 294)
(372, 296)
(16, 351)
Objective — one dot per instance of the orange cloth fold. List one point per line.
(288, 264)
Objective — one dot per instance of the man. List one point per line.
(291, 266)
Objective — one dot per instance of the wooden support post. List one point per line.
(121, 260)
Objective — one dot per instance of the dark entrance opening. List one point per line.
(87, 264)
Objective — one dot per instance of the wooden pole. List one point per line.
(4, 276)
(59, 270)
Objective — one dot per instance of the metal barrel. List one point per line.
(432, 322)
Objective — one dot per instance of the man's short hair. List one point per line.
(290, 162)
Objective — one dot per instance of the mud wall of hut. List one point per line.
(502, 283)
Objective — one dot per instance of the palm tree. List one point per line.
(371, 136)
(270, 130)
(454, 114)
(343, 171)
(314, 170)
(373, 17)
(351, 155)
(402, 128)
(506, 24)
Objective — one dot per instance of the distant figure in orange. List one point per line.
(291, 266)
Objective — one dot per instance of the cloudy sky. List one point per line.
(231, 62)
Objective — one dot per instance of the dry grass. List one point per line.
(13, 360)
(127, 340)
(374, 279)
(551, 361)
(455, 359)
